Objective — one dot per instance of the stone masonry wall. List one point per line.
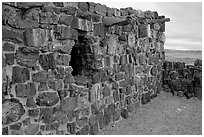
(183, 80)
(74, 68)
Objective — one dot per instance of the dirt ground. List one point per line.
(164, 115)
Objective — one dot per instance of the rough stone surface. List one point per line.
(25, 90)
(47, 99)
(12, 111)
(20, 75)
(83, 65)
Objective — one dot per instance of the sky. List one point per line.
(184, 31)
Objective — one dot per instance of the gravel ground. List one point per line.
(164, 115)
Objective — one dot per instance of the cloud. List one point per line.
(185, 27)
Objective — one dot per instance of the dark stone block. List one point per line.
(8, 46)
(63, 59)
(16, 126)
(5, 131)
(66, 20)
(27, 56)
(198, 62)
(26, 121)
(47, 99)
(124, 113)
(188, 95)
(46, 115)
(33, 112)
(64, 32)
(43, 76)
(143, 30)
(178, 65)
(71, 128)
(69, 103)
(20, 75)
(10, 34)
(198, 92)
(47, 61)
(30, 103)
(25, 90)
(128, 100)
(9, 116)
(154, 71)
(99, 30)
(10, 58)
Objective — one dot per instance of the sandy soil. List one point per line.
(164, 115)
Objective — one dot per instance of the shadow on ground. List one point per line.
(164, 115)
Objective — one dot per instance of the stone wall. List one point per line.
(74, 68)
(183, 80)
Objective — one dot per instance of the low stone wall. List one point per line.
(183, 80)
(74, 68)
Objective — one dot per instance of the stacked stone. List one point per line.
(183, 80)
(66, 71)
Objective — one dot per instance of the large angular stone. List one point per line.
(10, 57)
(25, 90)
(100, 9)
(20, 75)
(36, 37)
(64, 32)
(63, 59)
(43, 76)
(143, 30)
(47, 61)
(33, 112)
(82, 24)
(48, 18)
(99, 30)
(46, 115)
(8, 46)
(31, 129)
(198, 62)
(16, 126)
(69, 103)
(26, 56)
(66, 19)
(47, 99)
(12, 110)
(124, 113)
